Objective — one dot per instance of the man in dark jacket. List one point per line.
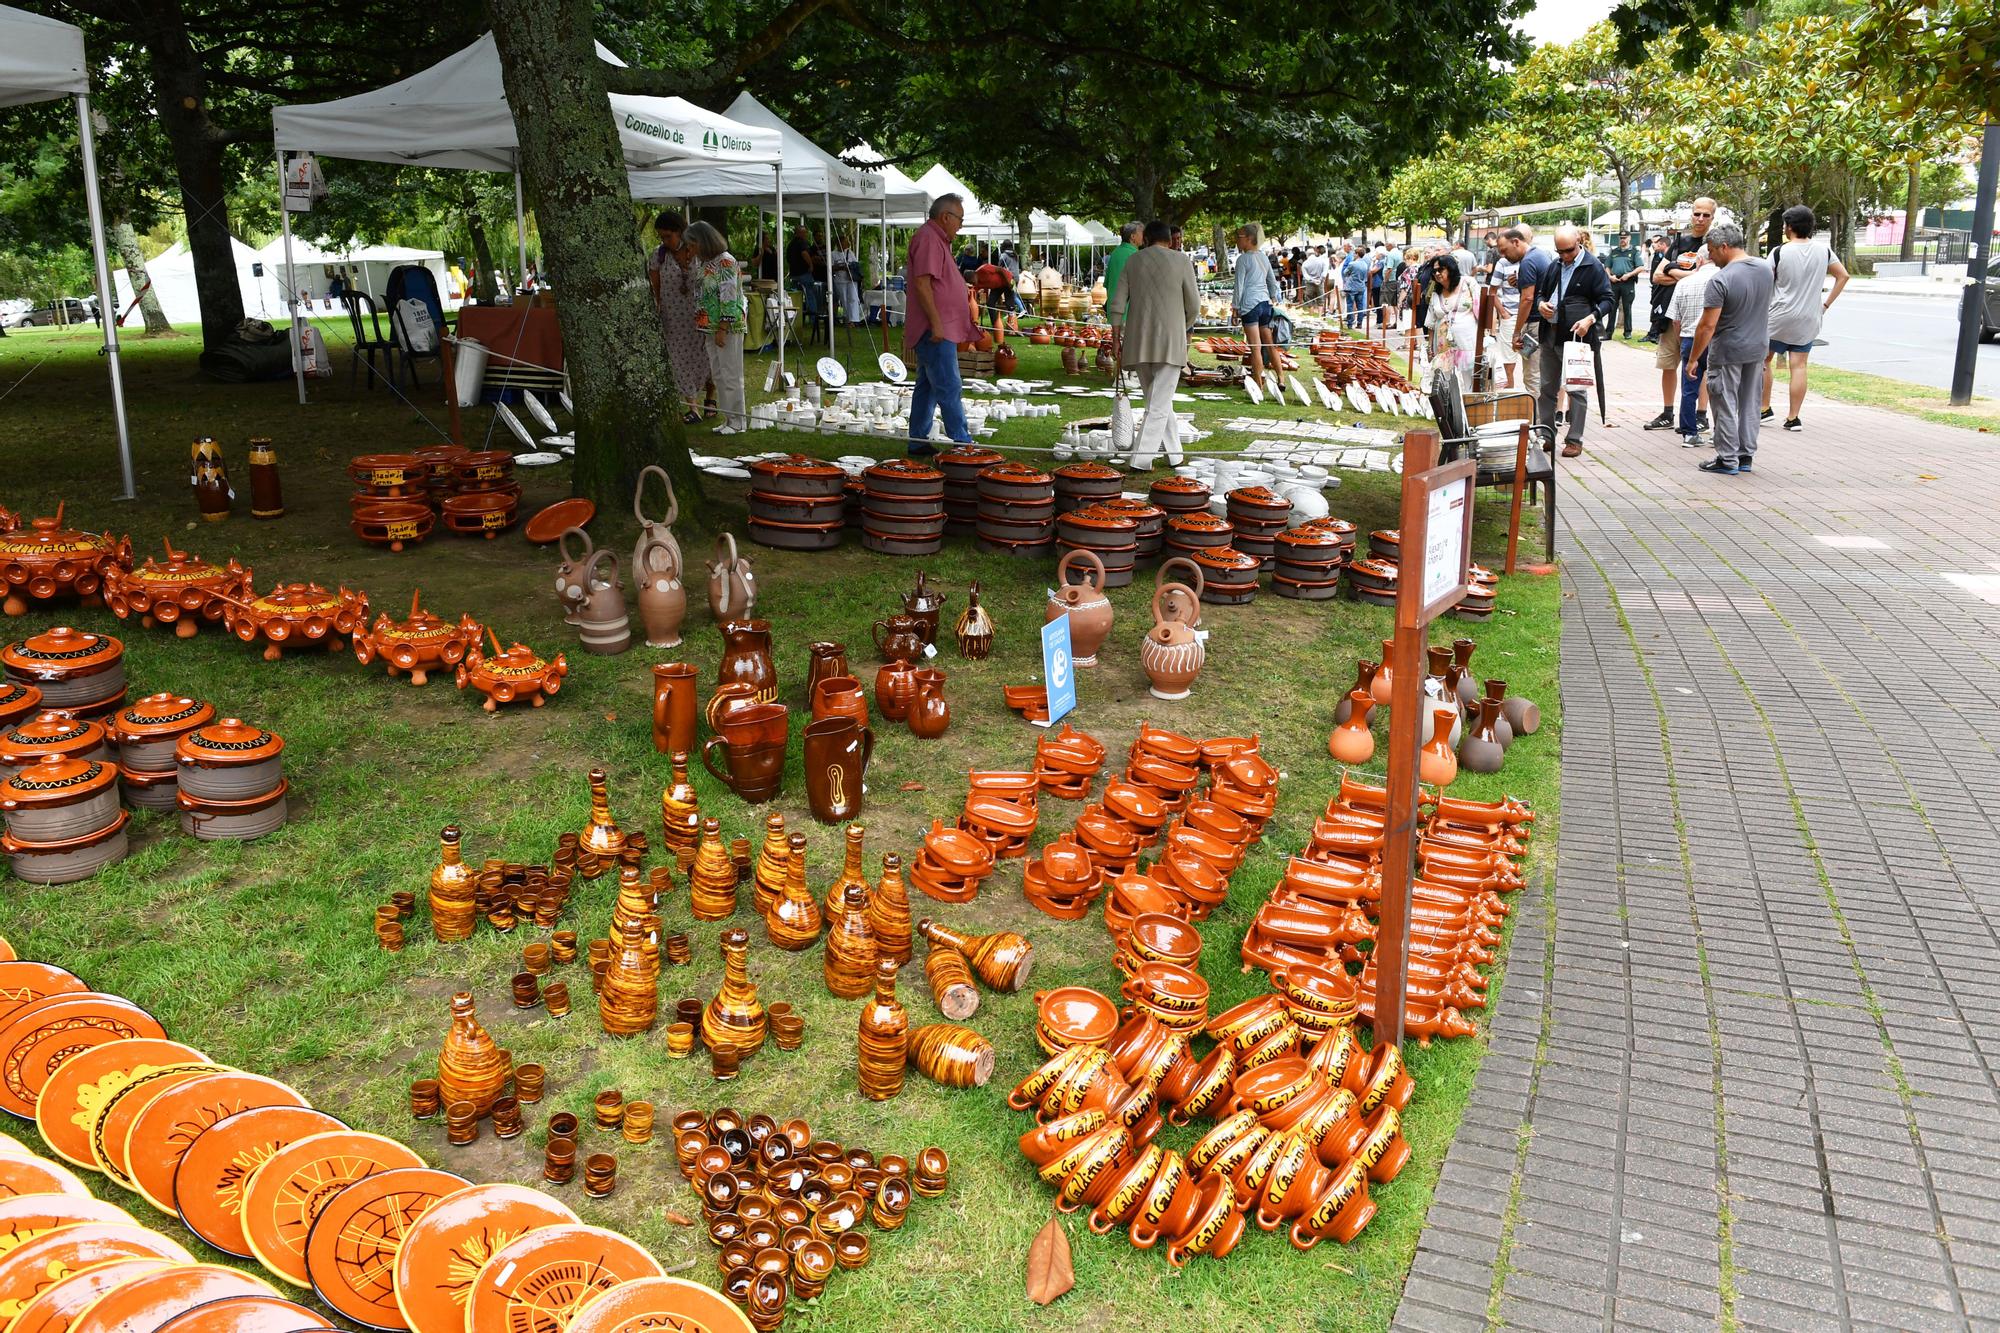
(1574, 307)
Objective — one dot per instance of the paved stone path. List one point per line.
(1744, 1068)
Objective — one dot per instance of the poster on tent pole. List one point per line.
(304, 186)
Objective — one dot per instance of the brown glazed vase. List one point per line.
(746, 658)
(674, 707)
(929, 713)
(840, 696)
(889, 912)
(849, 959)
(824, 660)
(794, 920)
(1481, 751)
(836, 759)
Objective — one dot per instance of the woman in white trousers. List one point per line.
(721, 317)
(1156, 303)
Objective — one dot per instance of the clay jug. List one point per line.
(824, 660)
(1364, 677)
(922, 604)
(732, 588)
(849, 960)
(471, 1067)
(1005, 360)
(895, 689)
(655, 533)
(601, 836)
(1481, 751)
(1496, 690)
(975, 628)
(1088, 609)
(929, 713)
(1436, 764)
(454, 890)
(734, 1019)
(1182, 603)
(899, 638)
(746, 658)
(795, 920)
(572, 574)
(1353, 742)
(680, 807)
(1461, 657)
(1171, 653)
(674, 707)
(884, 1038)
(602, 621)
(1002, 959)
(840, 696)
(662, 599)
(836, 758)
(889, 912)
(1384, 683)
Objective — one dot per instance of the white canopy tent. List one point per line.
(455, 114)
(365, 267)
(979, 219)
(171, 273)
(41, 60)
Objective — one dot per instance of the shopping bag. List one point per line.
(1578, 373)
(1123, 430)
(310, 355)
(414, 318)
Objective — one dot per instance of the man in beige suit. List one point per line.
(1155, 305)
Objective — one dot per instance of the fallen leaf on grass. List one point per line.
(611, 717)
(678, 1219)
(1049, 1271)
(913, 786)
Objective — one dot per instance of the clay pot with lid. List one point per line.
(53, 734)
(418, 644)
(794, 475)
(234, 821)
(181, 592)
(148, 731)
(1089, 610)
(962, 463)
(229, 760)
(1229, 576)
(57, 799)
(73, 668)
(1179, 495)
(516, 673)
(1171, 654)
(45, 560)
(294, 615)
(1077, 484)
(70, 859)
(18, 701)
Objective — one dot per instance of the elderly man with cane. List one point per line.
(1155, 305)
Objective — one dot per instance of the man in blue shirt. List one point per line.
(1354, 285)
(1529, 278)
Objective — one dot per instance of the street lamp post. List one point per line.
(1974, 303)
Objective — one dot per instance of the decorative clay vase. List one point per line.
(1436, 764)
(471, 1066)
(1089, 610)
(884, 1039)
(974, 630)
(930, 715)
(662, 598)
(732, 587)
(1170, 653)
(1353, 742)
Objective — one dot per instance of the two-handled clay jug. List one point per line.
(732, 588)
(654, 532)
(662, 596)
(899, 638)
(1171, 653)
(1088, 609)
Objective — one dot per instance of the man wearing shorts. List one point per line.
(1801, 265)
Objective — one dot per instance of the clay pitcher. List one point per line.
(840, 696)
(923, 604)
(929, 713)
(1170, 653)
(732, 588)
(603, 622)
(895, 688)
(752, 747)
(836, 759)
(655, 533)
(1503, 730)
(674, 707)
(1352, 742)
(825, 660)
(746, 658)
(899, 638)
(1088, 609)
(1481, 751)
(662, 598)
(572, 576)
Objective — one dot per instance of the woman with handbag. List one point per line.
(845, 266)
(674, 272)
(721, 319)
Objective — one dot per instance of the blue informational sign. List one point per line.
(1057, 669)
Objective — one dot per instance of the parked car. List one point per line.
(14, 311)
(1989, 312)
(73, 312)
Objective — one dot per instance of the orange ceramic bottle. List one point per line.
(850, 872)
(795, 920)
(680, 807)
(769, 880)
(889, 912)
(850, 946)
(885, 1033)
(1001, 959)
(471, 1067)
(712, 882)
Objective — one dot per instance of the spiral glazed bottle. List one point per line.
(601, 837)
(734, 1019)
(950, 978)
(636, 901)
(889, 912)
(630, 998)
(795, 920)
(850, 947)
(851, 872)
(885, 1036)
(471, 1066)
(769, 878)
(680, 808)
(951, 1054)
(1002, 959)
(712, 882)
(454, 890)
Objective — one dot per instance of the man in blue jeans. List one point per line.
(939, 318)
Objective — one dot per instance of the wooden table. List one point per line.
(523, 345)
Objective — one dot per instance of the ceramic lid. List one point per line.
(1307, 537)
(795, 465)
(480, 502)
(1380, 571)
(61, 652)
(1137, 510)
(1179, 486)
(1200, 523)
(295, 599)
(1225, 559)
(385, 469)
(445, 454)
(1015, 474)
(967, 455)
(228, 744)
(1390, 536)
(55, 780)
(49, 732)
(1258, 497)
(1340, 525)
(520, 660)
(158, 716)
(1088, 471)
(49, 538)
(904, 469)
(1099, 518)
(17, 700)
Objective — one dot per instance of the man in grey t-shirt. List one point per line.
(1734, 329)
(1800, 267)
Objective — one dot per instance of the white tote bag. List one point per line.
(1124, 431)
(1579, 373)
(419, 334)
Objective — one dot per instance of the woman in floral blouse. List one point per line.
(721, 316)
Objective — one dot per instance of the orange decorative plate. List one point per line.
(7, 953)
(443, 1253)
(23, 982)
(246, 1314)
(42, 1035)
(63, 1300)
(351, 1250)
(80, 1086)
(35, 1264)
(114, 1119)
(286, 1193)
(660, 1305)
(538, 1283)
(25, 1216)
(208, 1183)
(148, 1301)
(558, 518)
(164, 1131)
(32, 1176)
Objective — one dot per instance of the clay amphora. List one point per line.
(849, 960)
(1002, 959)
(899, 638)
(823, 661)
(471, 1066)
(794, 921)
(655, 533)
(922, 604)
(1496, 690)
(974, 630)
(1364, 680)
(836, 758)
(1481, 751)
(1170, 653)
(662, 599)
(840, 696)
(746, 658)
(889, 912)
(1436, 764)
(895, 689)
(929, 713)
(674, 707)
(1088, 609)
(1352, 742)
(732, 588)
(884, 1038)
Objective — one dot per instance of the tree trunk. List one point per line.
(483, 288)
(126, 241)
(1913, 209)
(575, 175)
(180, 87)
(1624, 193)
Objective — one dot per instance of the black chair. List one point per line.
(415, 282)
(812, 309)
(368, 339)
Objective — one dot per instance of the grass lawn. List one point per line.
(263, 955)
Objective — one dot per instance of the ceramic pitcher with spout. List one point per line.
(732, 588)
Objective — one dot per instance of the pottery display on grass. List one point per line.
(181, 592)
(419, 644)
(929, 715)
(516, 673)
(732, 586)
(45, 560)
(1171, 653)
(76, 671)
(296, 615)
(836, 753)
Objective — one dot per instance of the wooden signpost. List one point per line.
(1436, 542)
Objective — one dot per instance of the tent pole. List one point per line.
(291, 292)
(520, 225)
(778, 173)
(884, 274)
(107, 302)
(826, 202)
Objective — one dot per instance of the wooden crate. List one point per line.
(979, 364)
(1483, 409)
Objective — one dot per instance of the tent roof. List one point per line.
(1077, 233)
(1100, 234)
(175, 258)
(40, 58)
(455, 114)
(309, 252)
(902, 192)
(980, 220)
(813, 176)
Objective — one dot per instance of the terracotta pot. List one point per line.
(1089, 610)
(674, 707)
(1340, 1212)
(746, 658)
(420, 644)
(1170, 653)
(895, 690)
(1352, 741)
(929, 714)
(1436, 764)
(837, 749)
(732, 587)
(654, 533)
(1215, 1226)
(48, 560)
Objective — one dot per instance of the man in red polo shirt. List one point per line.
(938, 319)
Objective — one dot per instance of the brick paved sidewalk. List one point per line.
(1743, 1071)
